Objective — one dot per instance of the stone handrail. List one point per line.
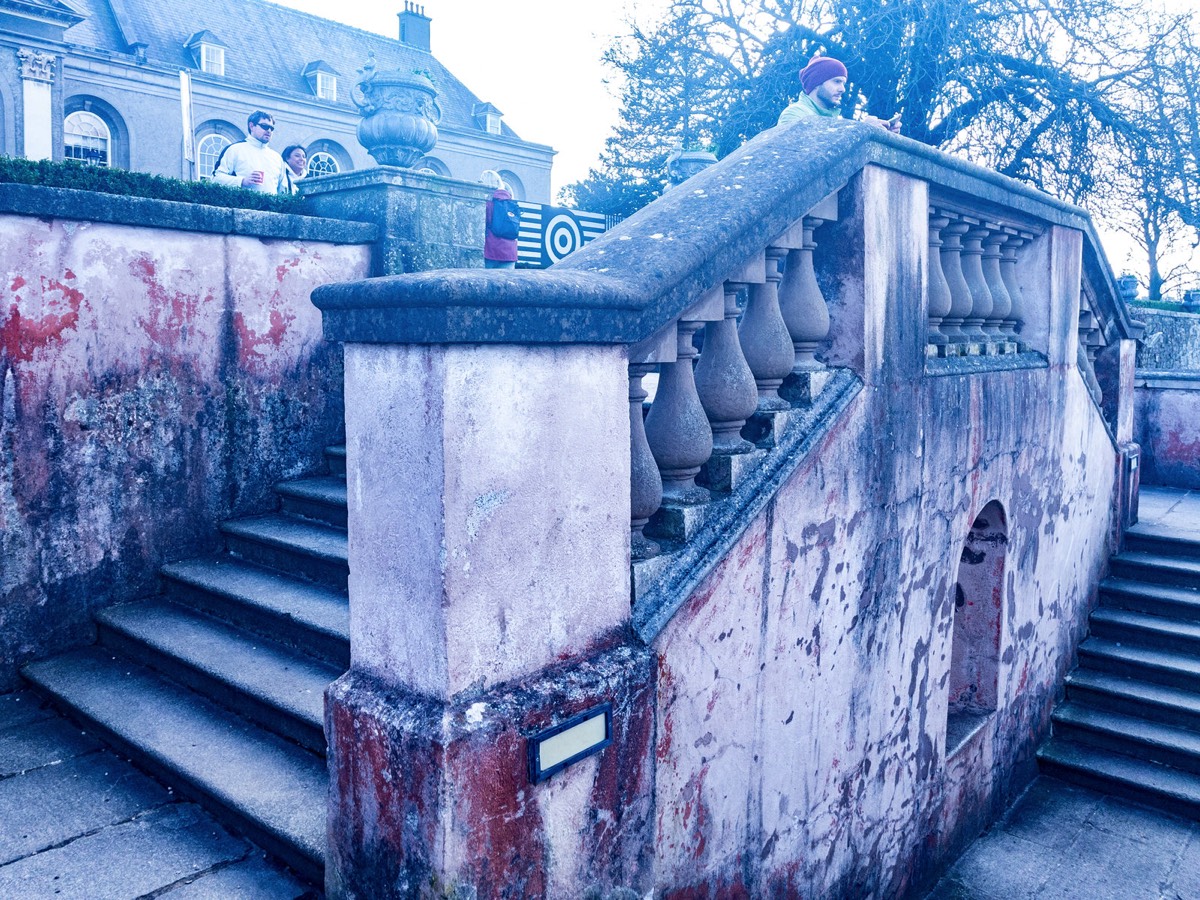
(628, 284)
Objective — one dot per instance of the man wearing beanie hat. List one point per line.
(823, 82)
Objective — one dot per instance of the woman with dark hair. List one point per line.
(297, 162)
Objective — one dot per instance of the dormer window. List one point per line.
(322, 80)
(212, 59)
(488, 118)
(208, 52)
(326, 86)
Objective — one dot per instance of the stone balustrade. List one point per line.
(976, 303)
(722, 400)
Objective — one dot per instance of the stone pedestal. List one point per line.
(488, 501)
(425, 221)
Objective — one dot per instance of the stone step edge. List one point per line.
(210, 585)
(266, 834)
(216, 672)
(1101, 769)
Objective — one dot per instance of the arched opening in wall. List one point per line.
(431, 165)
(515, 187)
(978, 617)
(327, 158)
(212, 137)
(94, 133)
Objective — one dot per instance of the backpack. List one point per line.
(506, 219)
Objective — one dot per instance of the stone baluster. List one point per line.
(1015, 319)
(677, 428)
(972, 268)
(938, 289)
(724, 380)
(1001, 301)
(960, 293)
(1090, 338)
(804, 309)
(765, 337)
(645, 482)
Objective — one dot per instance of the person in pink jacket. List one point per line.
(499, 250)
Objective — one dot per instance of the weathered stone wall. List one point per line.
(1168, 398)
(1168, 427)
(153, 382)
(803, 689)
(1171, 341)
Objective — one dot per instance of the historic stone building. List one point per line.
(106, 81)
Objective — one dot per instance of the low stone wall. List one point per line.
(1168, 426)
(1171, 341)
(161, 367)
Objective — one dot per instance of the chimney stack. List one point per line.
(414, 26)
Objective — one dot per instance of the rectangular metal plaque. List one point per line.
(556, 748)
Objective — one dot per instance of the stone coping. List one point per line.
(117, 209)
(1165, 380)
(636, 278)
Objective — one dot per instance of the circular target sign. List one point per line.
(562, 236)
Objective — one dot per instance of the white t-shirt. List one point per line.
(251, 155)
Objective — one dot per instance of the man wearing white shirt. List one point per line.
(251, 163)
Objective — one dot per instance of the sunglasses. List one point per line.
(264, 127)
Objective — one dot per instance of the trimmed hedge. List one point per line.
(103, 180)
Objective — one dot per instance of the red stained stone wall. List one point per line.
(1168, 429)
(152, 383)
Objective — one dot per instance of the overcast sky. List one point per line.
(550, 85)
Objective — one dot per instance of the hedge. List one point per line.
(139, 184)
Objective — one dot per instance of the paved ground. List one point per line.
(1169, 506)
(1060, 842)
(76, 821)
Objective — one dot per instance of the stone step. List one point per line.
(322, 499)
(1170, 745)
(270, 789)
(1130, 627)
(1157, 599)
(1169, 789)
(258, 679)
(310, 617)
(1158, 568)
(1162, 541)
(296, 546)
(1157, 702)
(335, 458)
(1156, 665)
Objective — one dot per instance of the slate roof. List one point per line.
(52, 9)
(266, 46)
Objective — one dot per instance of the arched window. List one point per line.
(515, 187)
(86, 138)
(322, 163)
(208, 151)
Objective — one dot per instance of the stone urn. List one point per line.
(683, 164)
(400, 114)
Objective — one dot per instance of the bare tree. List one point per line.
(1053, 92)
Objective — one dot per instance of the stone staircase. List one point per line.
(217, 685)
(1130, 724)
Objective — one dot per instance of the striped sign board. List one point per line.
(548, 233)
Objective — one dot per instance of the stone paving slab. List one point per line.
(77, 821)
(1061, 842)
(1170, 507)
(41, 743)
(43, 808)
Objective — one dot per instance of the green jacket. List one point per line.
(805, 108)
